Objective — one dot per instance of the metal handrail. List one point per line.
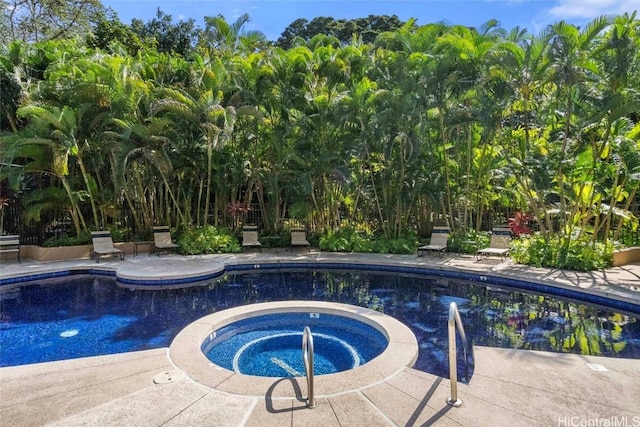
(455, 320)
(307, 356)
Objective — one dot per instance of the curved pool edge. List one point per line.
(186, 354)
(173, 272)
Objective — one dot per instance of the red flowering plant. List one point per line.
(237, 210)
(519, 224)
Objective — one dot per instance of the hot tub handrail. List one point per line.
(455, 320)
(307, 356)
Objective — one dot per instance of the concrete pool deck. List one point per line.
(508, 387)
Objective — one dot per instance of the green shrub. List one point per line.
(117, 235)
(83, 239)
(348, 238)
(361, 238)
(207, 240)
(278, 240)
(401, 245)
(630, 235)
(578, 254)
(459, 241)
(142, 235)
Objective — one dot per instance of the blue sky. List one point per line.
(273, 16)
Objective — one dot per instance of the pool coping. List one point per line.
(186, 353)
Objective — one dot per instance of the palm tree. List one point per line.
(525, 62)
(227, 38)
(201, 116)
(572, 67)
(409, 66)
(60, 127)
(357, 111)
(281, 82)
(620, 63)
(480, 93)
(14, 79)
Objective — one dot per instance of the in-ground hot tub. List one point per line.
(188, 349)
(270, 345)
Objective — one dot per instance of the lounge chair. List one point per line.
(103, 245)
(250, 237)
(499, 244)
(299, 238)
(10, 244)
(438, 242)
(162, 239)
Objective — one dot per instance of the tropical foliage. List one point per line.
(424, 123)
(361, 238)
(207, 240)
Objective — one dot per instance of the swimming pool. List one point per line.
(90, 315)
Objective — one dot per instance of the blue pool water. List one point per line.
(270, 345)
(87, 316)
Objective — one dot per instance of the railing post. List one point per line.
(307, 356)
(455, 320)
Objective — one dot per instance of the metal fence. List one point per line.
(57, 223)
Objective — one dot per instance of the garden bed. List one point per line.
(62, 253)
(626, 256)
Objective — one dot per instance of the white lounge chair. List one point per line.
(10, 244)
(250, 237)
(299, 238)
(162, 239)
(103, 245)
(438, 242)
(499, 244)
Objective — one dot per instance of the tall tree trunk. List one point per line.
(92, 201)
(210, 144)
(448, 208)
(78, 223)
